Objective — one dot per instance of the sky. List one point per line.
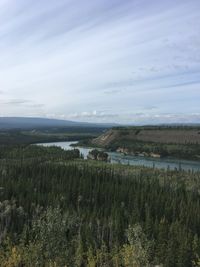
(122, 61)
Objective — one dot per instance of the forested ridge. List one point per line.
(59, 210)
(166, 141)
(46, 134)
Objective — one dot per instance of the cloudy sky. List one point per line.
(130, 61)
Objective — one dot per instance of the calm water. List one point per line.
(134, 160)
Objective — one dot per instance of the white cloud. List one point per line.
(67, 57)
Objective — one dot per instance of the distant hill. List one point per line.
(181, 142)
(126, 136)
(8, 123)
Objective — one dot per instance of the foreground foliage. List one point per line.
(58, 210)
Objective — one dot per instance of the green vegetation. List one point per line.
(187, 151)
(12, 137)
(59, 210)
(96, 154)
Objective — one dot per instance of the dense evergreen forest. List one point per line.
(57, 209)
(46, 134)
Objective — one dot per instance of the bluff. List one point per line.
(154, 141)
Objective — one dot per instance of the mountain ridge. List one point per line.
(8, 123)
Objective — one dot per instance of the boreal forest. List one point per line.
(57, 209)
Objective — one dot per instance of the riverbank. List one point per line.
(119, 158)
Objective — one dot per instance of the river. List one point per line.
(115, 157)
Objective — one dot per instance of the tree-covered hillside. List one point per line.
(58, 210)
